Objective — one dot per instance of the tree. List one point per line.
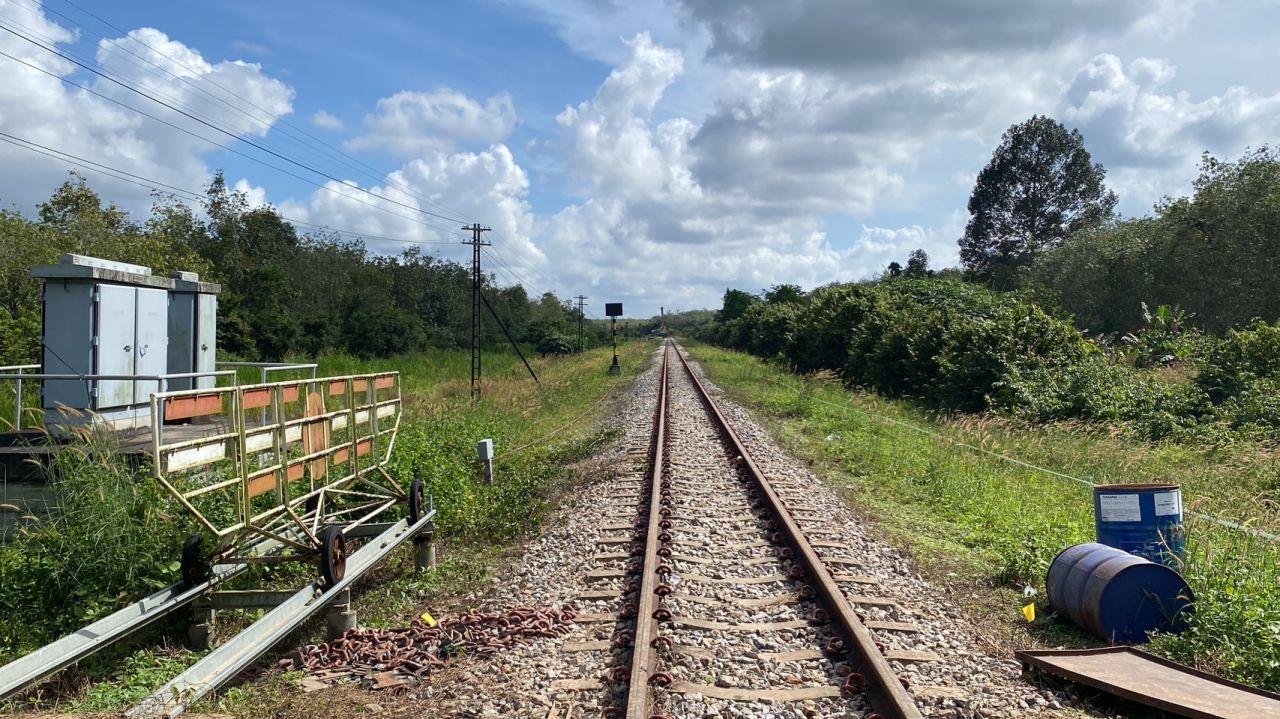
(894, 269)
(917, 265)
(783, 294)
(1216, 254)
(1040, 186)
(736, 302)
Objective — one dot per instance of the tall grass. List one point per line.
(1010, 520)
(111, 535)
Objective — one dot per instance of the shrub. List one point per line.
(978, 355)
(554, 344)
(114, 534)
(770, 327)
(822, 331)
(1241, 359)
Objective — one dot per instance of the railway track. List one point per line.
(725, 598)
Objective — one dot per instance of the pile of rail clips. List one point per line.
(387, 658)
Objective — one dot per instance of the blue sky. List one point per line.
(649, 151)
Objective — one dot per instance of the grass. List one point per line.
(118, 536)
(991, 527)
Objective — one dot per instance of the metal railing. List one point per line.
(19, 375)
(269, 367)
(319, 437)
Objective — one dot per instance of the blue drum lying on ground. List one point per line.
(1116, 595)
(1142, 519)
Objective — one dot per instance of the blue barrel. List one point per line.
(1116, 595)
(1142, 519)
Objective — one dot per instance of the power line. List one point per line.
(334, 152)
(520, 280)
(154, 184)
(497, 256)
(215, 143)
(215, 127)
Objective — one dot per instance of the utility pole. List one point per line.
(582, 303)
(476, 243)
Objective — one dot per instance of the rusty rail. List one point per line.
(872, 673)
(644, 660)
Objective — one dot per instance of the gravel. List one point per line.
(592, 532)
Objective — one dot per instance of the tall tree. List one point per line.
(1039, 187)
(784, 294)
(917, 265)
(735, 303)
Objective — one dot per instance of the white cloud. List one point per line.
(411, 123)
(1151, 135)
(42, 109)
(488, 186)
(325, 121)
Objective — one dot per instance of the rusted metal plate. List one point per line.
(256, 398)
(1147, 679)
(198, 405)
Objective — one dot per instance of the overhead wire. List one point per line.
(211, 125)
(154, 184)
(1228, 523)
(519, 278)
(169, 102)
(215, 143)
(335, 153)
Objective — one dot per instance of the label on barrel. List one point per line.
(1120, 508)
(1168, 503)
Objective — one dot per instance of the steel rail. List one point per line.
(887, 696)
(644, 658)
(228, 660)
(62, 653)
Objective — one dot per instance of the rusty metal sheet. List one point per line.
(1147, 679)
(187, 407)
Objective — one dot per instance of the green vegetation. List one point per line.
(998, 524)
(961, 346)
(117, 535)
(284, 293)
(1214, 254)
(1040, 186)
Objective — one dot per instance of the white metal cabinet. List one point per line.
(114, 341)
(150, 346)
(206, 337)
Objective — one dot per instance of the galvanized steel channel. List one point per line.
(243, 649)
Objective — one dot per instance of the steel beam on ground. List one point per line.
(51, 658)
(228, 660)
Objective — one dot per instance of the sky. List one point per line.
(652, 152)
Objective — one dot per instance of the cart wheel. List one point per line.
(417, 501)
(333, 555)
(194, 565)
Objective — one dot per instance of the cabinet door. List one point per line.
(206, 337)
(69, 312)
(151, 341)
(115, 314)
